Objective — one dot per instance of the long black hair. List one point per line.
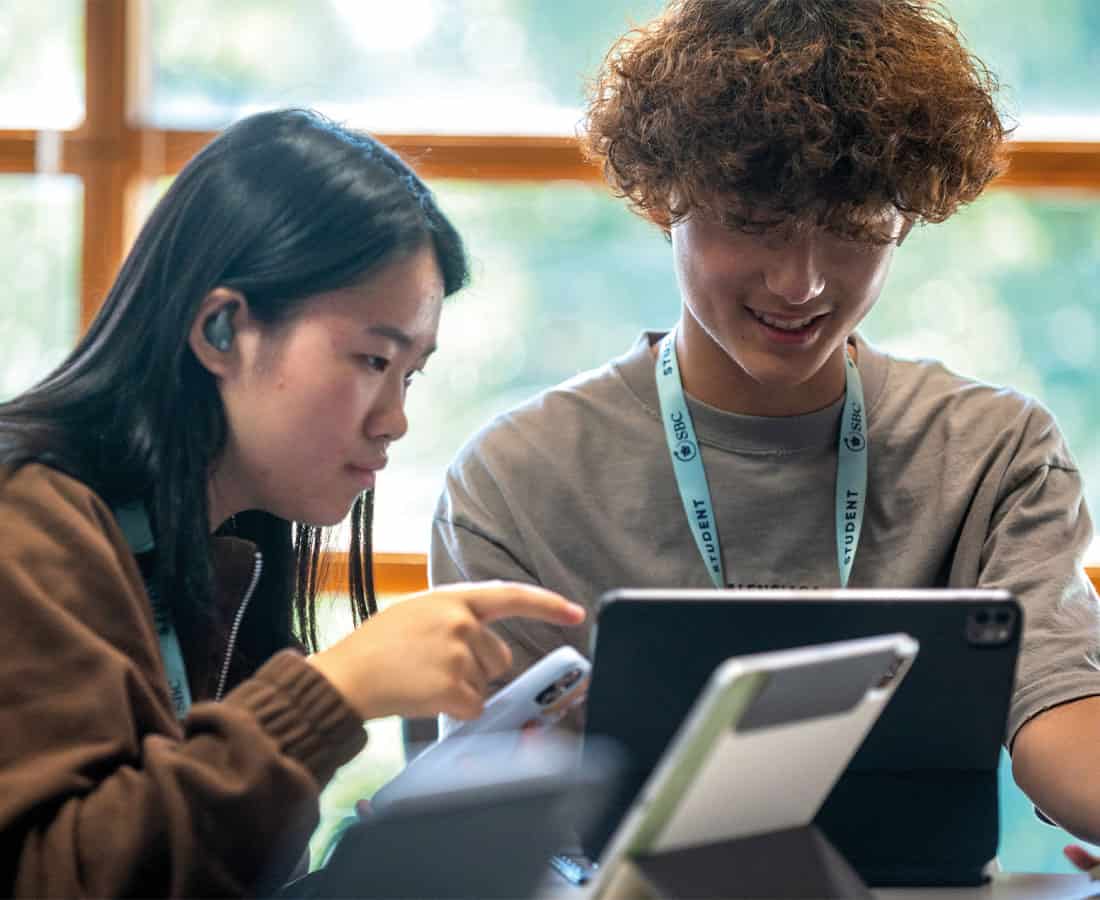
(280, 206)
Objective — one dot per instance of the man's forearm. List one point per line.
(1056, 761)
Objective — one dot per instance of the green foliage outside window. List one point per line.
(39, 257)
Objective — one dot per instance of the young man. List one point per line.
(787, 148)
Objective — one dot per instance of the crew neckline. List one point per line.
(753, 434)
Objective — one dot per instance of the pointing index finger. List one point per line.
(494, 600)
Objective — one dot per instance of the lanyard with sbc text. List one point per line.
(691, 477)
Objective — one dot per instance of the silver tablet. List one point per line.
(762, 747)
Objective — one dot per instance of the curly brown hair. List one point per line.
(805, 112)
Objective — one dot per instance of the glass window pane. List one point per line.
(510, 66)
(40, 258)
(414, 66)
(1005, 291)
(564, 278)
(41, 64)
(1046, 56)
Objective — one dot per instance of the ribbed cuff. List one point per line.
(303, 712)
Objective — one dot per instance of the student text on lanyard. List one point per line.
(691, 477)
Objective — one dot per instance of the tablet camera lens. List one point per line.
(990, 626)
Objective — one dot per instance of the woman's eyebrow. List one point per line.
(399, 337)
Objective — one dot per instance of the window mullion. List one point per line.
(102, 148)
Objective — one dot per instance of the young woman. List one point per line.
(161, 501)
(786, 149)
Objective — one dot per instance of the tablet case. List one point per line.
(918, 803)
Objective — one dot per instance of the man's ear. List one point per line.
(214, 330)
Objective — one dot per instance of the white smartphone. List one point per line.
(762, 746)
(538, 698)
(535, 700)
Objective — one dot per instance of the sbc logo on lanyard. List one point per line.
(681, 429)
(853, 438)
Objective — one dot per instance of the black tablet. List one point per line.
(918, 803)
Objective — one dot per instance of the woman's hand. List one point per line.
(433, 652)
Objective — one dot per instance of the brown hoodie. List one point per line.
(103, 792)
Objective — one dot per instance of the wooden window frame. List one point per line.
(114, 156)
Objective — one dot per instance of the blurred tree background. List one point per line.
(564, 276)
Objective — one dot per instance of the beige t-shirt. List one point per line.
(969, 485)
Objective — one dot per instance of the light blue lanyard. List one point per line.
(134, 522)
(691, 477)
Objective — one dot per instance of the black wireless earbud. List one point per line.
(218, 329)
